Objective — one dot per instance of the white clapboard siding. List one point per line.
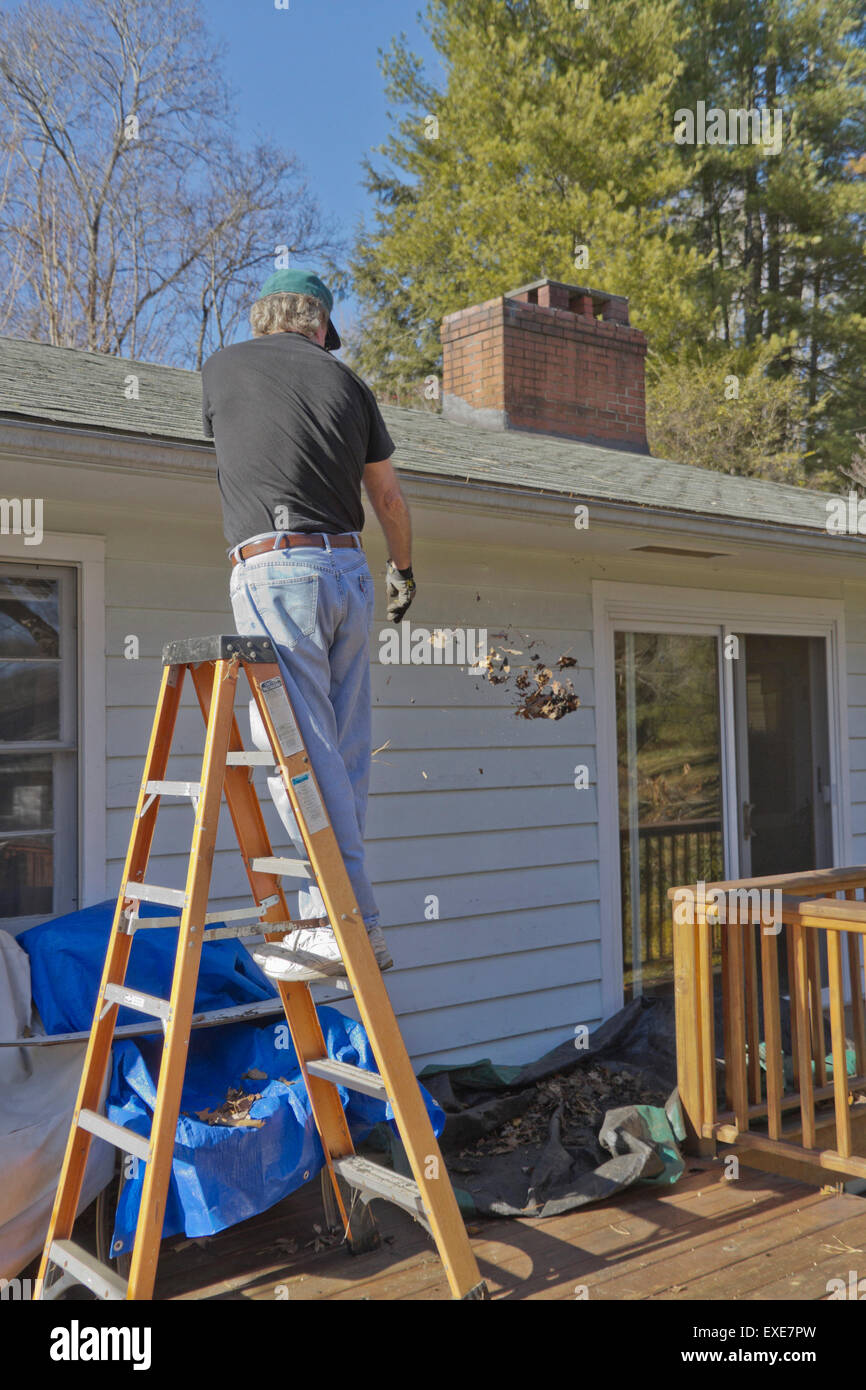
(457, 1033)
(484, 856)
(462, 982)
(510, 1029)
(472, 808)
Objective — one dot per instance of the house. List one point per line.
(717, 624)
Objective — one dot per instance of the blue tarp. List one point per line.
(221, 1174)
(67, 956)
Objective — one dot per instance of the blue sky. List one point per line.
(308, 76)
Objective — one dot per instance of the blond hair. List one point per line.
(288, 313)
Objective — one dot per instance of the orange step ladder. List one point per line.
(214, 665)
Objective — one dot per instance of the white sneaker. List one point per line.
(312, 953)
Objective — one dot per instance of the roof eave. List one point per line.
(103, 448)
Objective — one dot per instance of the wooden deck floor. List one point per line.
(760, 1237)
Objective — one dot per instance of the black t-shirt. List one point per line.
(293, 427)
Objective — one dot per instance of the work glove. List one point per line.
(400, 589)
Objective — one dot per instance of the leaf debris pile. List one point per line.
(235, 1110)
(582, 1097)
(324, 1239)
(539, 695)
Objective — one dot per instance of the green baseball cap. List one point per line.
(304, 282)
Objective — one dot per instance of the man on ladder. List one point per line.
(296, 433)
(303, 603)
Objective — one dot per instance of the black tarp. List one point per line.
(569, 1165)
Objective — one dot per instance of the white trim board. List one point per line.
(648, 608)
(87, 554)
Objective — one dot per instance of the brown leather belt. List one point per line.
(293, 538)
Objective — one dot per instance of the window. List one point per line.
(38, 743)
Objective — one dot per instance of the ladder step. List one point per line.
(372, 1180)
(118, 1135)
(150, 893)
(155, 789)
(87, 1270)
(190, 651)
(250, 758)
(293, 868)
(174, 788)
(344, 1074)
(144, 1003)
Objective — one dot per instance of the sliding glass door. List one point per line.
(703, 719)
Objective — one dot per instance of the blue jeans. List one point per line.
(316, 605)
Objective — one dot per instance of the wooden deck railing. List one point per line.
(668, 852)
(774, 1097)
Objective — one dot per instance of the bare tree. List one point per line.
(857, 472)
(130, 221)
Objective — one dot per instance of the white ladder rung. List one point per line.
(152, 893)
(118, 1135)
(134, 999)
(291, 868)
(87, 1270)
(173, 788)
(155, 789)
(344, 1074)
(372, 1180)
(250, 759)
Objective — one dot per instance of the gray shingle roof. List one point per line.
(69, 386)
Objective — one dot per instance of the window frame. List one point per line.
(85, 555)
(62, 750)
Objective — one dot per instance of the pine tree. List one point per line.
(782, 229)
(552, 150)
(549, 153)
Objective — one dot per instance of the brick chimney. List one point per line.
(551, 358)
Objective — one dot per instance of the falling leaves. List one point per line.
(540, 696)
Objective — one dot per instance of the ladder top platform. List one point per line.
(220, 647)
